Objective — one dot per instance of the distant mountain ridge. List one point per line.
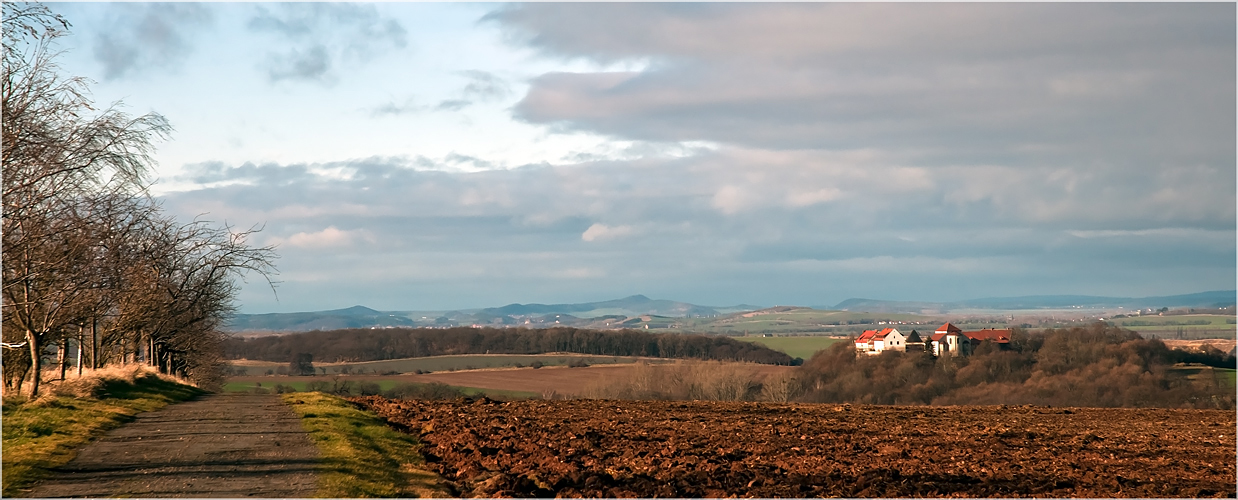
(639, 311)
(1218, 298)
(635, 304)
(511, 314)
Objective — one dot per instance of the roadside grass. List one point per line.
(362, 457)
(797, 347)
(46, 433)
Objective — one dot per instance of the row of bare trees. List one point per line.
(92, 266)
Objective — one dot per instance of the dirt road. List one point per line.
(220, 445)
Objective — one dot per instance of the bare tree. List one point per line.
(84, 245)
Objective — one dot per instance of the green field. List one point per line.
(1189, 326)
(802, 347)
(1185, 321)
(442, 363)
(1225, 377)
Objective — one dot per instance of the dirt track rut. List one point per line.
(220, 445)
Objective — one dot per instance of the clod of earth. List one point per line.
(589, 448)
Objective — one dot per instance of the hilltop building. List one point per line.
(946, 340)
(874, 342)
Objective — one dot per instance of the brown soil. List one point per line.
(586, 448)
(220, 445)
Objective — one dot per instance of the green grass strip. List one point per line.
(41, 435)
(362, 457)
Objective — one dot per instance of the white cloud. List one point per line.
(602, 232)
(798, 198)
(330, 237)
(731, 200)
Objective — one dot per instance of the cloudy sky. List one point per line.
(438, 156)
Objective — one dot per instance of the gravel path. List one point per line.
(219, 445)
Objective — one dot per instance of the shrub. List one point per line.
(369, 389)
(433, 390)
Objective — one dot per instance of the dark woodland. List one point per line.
(372, 345)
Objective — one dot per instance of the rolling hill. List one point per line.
(593, 314)
(1211, 299)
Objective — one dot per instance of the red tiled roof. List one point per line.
(999, 336)
(866, 336)
(882, 334)
(949, 328)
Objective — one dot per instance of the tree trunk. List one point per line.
(62, 355)
(36, 362)
(94, 343)
(81, 336)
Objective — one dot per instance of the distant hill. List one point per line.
(641, 312)
(1213, 299)
(352, 317)
(593, 314)
(628, 306)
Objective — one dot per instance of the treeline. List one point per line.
(92, 267)
(353, 345)
(1099, 366)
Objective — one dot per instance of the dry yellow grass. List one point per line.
(47, 432)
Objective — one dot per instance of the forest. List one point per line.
(353, 345)
(1099, 366)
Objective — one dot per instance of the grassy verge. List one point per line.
(361, 455)
(46, 433)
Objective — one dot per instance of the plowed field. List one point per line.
(589, 448)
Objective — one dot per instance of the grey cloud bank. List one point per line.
(898, 151)
(392, 236)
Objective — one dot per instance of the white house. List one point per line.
(874, 342)
(949, 339)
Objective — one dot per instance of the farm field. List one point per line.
(511, 382)
(300, 384)
(1185, 321)
(1225, 345)
(1225, 377)
(802, 319)
(798, 347)
(441, 363)
(1190, 326)
(587, 448)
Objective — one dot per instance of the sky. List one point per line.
(432, 156)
